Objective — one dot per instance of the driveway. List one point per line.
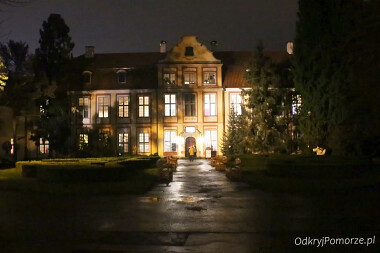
(200, 211)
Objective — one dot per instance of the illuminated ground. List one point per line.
(199, 212)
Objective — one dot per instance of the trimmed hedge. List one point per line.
(85, 170)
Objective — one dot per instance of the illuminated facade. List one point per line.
(162, 102)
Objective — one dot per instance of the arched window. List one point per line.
(121, 76)
(87, 76)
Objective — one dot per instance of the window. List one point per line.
(170, 105)
(122, 76)
(169, 78)
(44, 146)
(12, 146)
(210, 104)
(123, 106)
(170, 144)
(190, 105)
(209, 76)
(144, 142)
(211, 139)
(143, 106)
(123, 142)
(83, 141)
(296, 104)
(84, 108)
(87, 76)
(189, 51)
(235, 103)
(189, 76)
(103, 106)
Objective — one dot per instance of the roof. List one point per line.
(142, 68)
(235, 65)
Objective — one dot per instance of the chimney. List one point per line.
(89, 52)
(213, 45)
(163, 46)
(289, 47)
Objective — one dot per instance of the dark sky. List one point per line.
(139, 25)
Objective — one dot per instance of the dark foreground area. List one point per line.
(200, 211)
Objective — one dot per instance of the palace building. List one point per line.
(162, 102)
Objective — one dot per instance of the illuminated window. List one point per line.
(103, 106)
(296, 104)
(144, 142)
(123, 142)
(12, 146)
(83, 141)
(169, 78)
(189, 76)
(209, 76)
(190, 105)
(122, 76)
(211, 139)
(84, 108)
(143, 106)
(170, 144)
(170, 105)
(87, 76)
(123, 106)
(44, 146)
(235, 103)
(210, 104)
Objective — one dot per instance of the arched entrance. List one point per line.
(190, 141)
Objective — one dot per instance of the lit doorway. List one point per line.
(190, 141)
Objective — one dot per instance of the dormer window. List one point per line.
(121, 76)
(189, 51)
(87, 76)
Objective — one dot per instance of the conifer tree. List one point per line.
(264, 102)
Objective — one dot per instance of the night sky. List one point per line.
(139, 25)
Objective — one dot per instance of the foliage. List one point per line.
(52, 66)
(98, 144)
(268, 106)
(55, 47)
(335, 68)
(235, 139)
(3, 75)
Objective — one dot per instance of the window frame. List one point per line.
(87, 77)
(185, 95)
(235, 105)
(188, 71)
(210, 104)
(83, 141)
(144, 107)
(211, 141)
(83, 108)
(121, 73)
(124, 143)
(172, 106)
(43, 146)
(172, 140)
(103, 106)
(208, 71)
(145, 145)
(125, 107)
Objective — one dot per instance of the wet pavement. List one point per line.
(200, 211)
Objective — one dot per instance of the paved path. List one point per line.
(199, 212)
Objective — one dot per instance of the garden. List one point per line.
(106, 175)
